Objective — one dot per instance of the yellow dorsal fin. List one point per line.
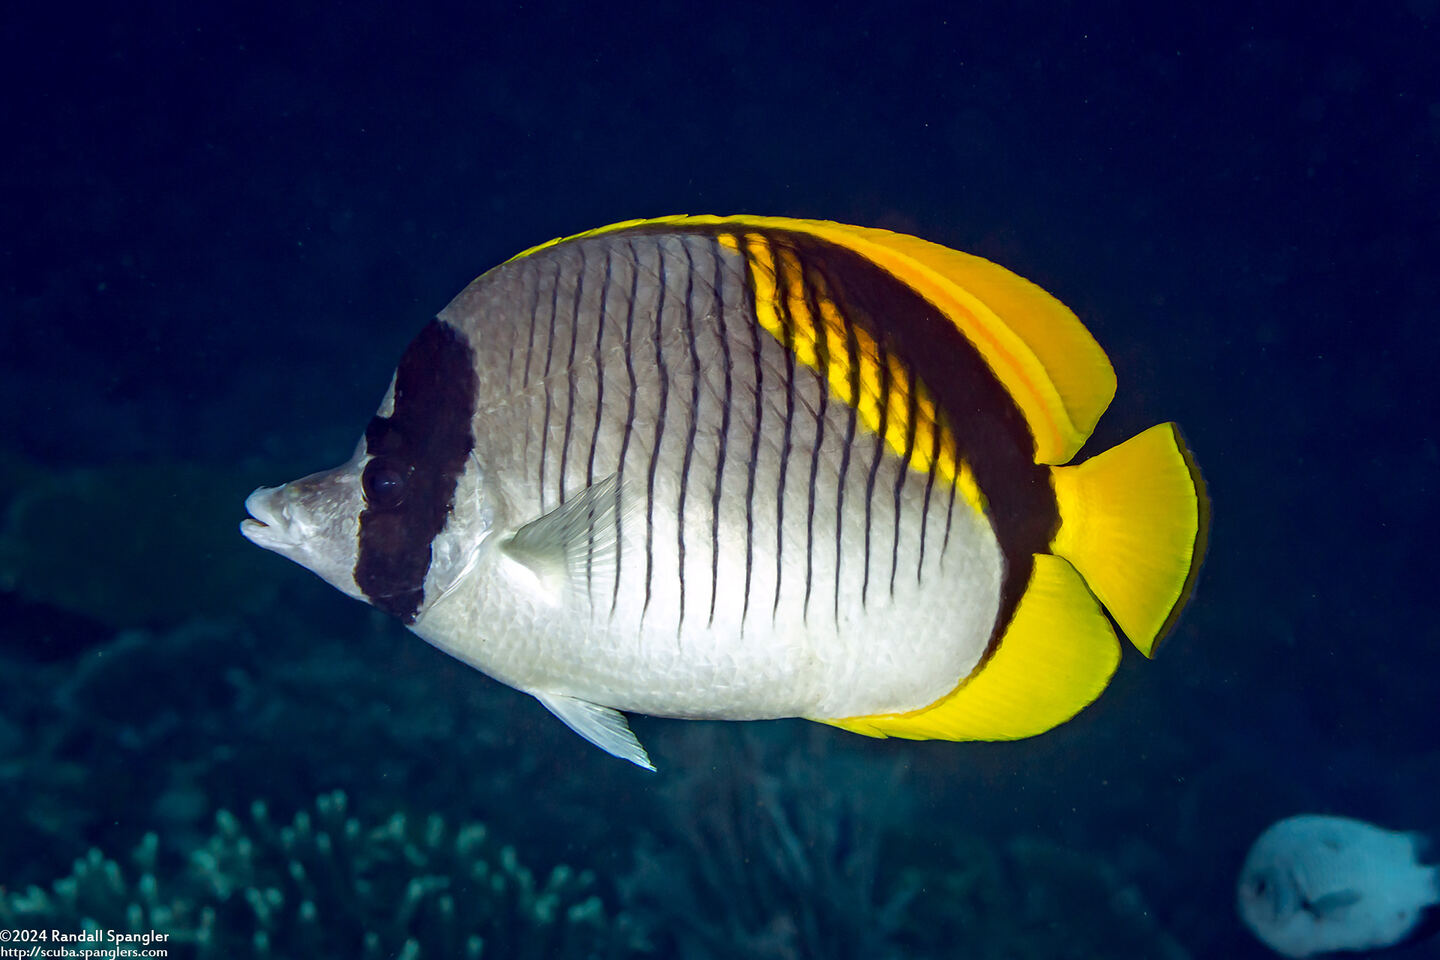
(1132, 521)
(1056, 656)
(1059, 376)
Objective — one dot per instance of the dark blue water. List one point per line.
(221, 226)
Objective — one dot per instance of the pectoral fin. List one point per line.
(1332, 903)
(574, 543)
(602, 726)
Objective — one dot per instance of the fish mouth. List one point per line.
(268, 525)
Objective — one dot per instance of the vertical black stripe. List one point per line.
(912, 410)
(950, 511)
(719, 252)
(545, 382)
(691, 426)
(814, 291)
(753, 321)
(787, 331)
(818, 273)
(629, 420)
(658, 337)
(929, 486)
(884, 401)
(852, 352)
(570, 371)
(601, 319)
(534, 271)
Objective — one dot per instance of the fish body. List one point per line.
(744, 468)
(1315, 884)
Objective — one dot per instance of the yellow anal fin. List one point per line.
(1132, 521)
(1055, 657)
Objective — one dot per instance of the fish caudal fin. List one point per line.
(1132, 522)
(1056, 656)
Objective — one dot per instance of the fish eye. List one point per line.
(384, 484)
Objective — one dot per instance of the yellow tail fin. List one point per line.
(1133, 521)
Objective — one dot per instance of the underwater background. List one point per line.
(223, 222)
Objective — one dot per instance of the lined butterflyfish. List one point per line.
(750, 467)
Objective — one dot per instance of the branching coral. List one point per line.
(98, 896)
(325, 885)
(794, 847)
(774, 855)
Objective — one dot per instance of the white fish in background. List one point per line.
(1318, 884)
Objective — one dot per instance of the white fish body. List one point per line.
(1315, 884)
(722, 468)
(640, 646)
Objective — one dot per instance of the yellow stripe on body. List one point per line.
(1058, 375)
(1053, 369)
(760, 254)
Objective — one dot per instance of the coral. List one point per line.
(774, 854)
(321, 698)
(97, 896)
(1026, 897)
(798, 847)
(325, 885)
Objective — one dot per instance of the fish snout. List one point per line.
(313, 521)
(271, 521)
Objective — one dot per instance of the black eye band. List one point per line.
(417, 454)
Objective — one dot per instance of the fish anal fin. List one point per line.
(1133, 522)
(573, 543)
(1056, 656)
(603, 726)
